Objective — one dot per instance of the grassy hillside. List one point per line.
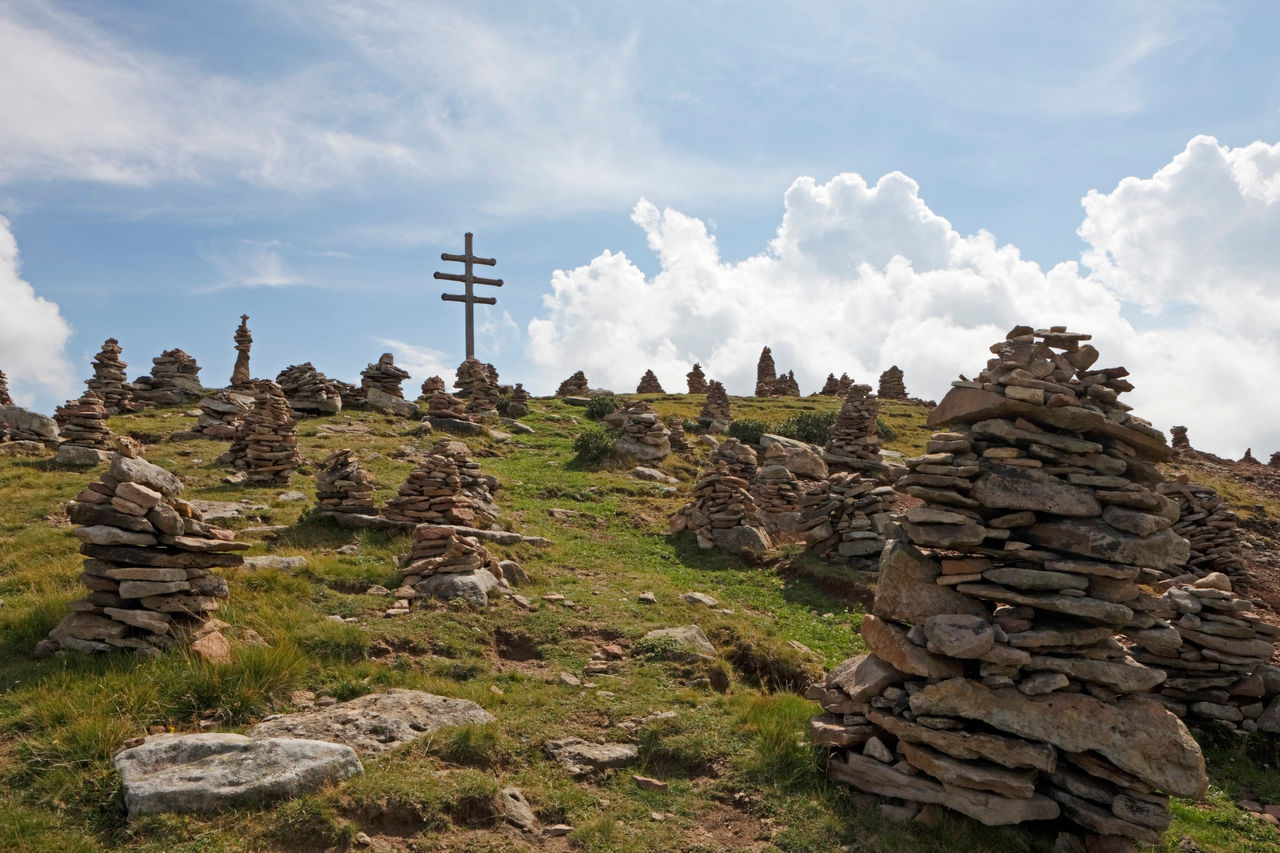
(733, 752)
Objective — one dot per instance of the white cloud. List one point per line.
(860, 277)
(33, 335)
(251, 264)
(421, 362)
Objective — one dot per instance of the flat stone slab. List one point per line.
(581, 757)
(208, 772)
(213, 510)
(377, 722)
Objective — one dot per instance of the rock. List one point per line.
(513, 573)
(75, 456)
(377, 722)
(1269, 722)
(209, 772)
(890, 643)
(863, 677)
(213, 648)
(907, 591)
(652, 475)
(517, 810)
(959, 636)
(472, 587)
(1003, 750)
(291, 496)
(700, 598)
(690, 636)
(1029, 489)
(970, 774)
(274, 562)
(581, 757)
(380, 401)
(100, 534)
(1096, 539)
(127, 469)
(1123, 676)
(28, 425)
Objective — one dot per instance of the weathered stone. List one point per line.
(581, 757)
(1029, 489)
(970, 774)
(890, 642)
(213, 647)
(907, 591)
(1123, 676)
(1035, 579)
(472, 587)
(128, 469)
(690, 636)
(1097, 539)
(100, 534)
(863, 677)
(1105, 612)
(959, 636)
(1006, 751)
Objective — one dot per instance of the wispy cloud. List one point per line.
(251, 264)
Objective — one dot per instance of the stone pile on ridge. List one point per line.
(715, 409)
(1274, 461)
(843, 386)
(766, 374)
(786, 385)
(240, 377)
(1178, 439)
(174, 379)
(649, 384)
(445, 488)
(1248, 458)
(644, 435)
(574, 386)
(384, 375)
(518, 403)
(447, 406)
(995, 684)
(696, 379)
(831, 387)
(222, 414)
(854, 442)
(83, 422)
(309, 391)
(267, 443)
(446, 564)
(343, 486)
(148, 561)
(847, 515)
(109, 379)
(1212, 530)
(679, 442)
(473, 373)
(891, 386)
(722, 513)
(432, 384)
(5, 399)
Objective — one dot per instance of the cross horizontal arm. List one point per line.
(462, 259)
(475, 279)
(455, 297)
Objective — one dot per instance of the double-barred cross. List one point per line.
(468, 278)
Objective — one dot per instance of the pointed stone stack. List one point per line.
(739, 458)
(766, 374)
(891, 387)
(722, 513)
(1274, 461)
(995, 684)
(109, 379)
(268, 436)
(696, 379)
(240, 377)
(644, 435)
(431, 385)
(83, 422)
(343, 486)
(446, 564)
(854, 442)
(649, 384)
(574, 386)
(679, 441)
(222, 414)
(174, 379)
(149, 557)
(518, 404)
(1206, 521)
(715, 410)
(446, 488)
(1248, 459)
(448, 407)
(831, 387)
(847, 515)
(1178, 438)
(384, 376)
(5, 399)
(786, 385)
(309, 391)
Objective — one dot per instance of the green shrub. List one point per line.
(809, 427)
(887, 432)
(659, 648)
(593, 445)
(601, 406)
(747, 431)
(504, 400)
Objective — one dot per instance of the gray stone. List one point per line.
(907, 590)
(380, 401)
(970, 774)
(1096, 539)
(1270, 720)
(958, 635)
(100, 534)
(743, 539)
(1035, 579)
(472, 587)
(77, 456)
(26, 422)
(1104, 612)
(1005, 751)
(128, 469)
(456, 427)
(690, 636)
(890, 643)
(700, 598)
(1029, 489)
(516, 809)
(274, 562)
(1123, 676)
(513, 573)
(582, 757)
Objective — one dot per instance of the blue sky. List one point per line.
(166, 167)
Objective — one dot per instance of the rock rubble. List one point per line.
(847, 515)
(723, 513)
(222, 414)
(1206, 521)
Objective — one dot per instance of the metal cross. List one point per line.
(469, 278)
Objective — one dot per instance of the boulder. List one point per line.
(582, 757)
(908, 592)
(472, 587)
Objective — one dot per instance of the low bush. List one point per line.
(809, 427)
(747, 430)
(593, 445)
(601, 406)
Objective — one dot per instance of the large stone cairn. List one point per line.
(644, 435)
(891, 387)
(267, 444)
(174, 379)
(723, 513)
(766, 374)
(574, 386)
(1178, 439)
(447, 406)
(831, 387)
(432, 384)
(518, 403)
(149, 556)
(715, 409)
(343, 486)
(847, 515)
(83, 422)
(478, 383)
(786, 385)
(309, 391)
(445, 488)
(441, 550)
(222, 414)
(649, 384)
(240, 377)
(697, 380)
(854, 441)
(5, 399)
(1206, 521)
(995, 685)
(109, 379)
(384, 376)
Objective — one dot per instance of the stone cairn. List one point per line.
(891, 387)
(149, 556)
(715, 410)
(5, 399)
(174, 379)
(847, 515)
(994, 684)
(649, 384)
(109, 379)
(343, 486)
(574, 386)
(678, 440)
(696, 379)
(83, 422)
(644, 435)
(786, 385)
(766, 374)
(222, 414)
(1274, 461)
(309, 391)
(1178, 438)
(384, 376)
(831, 387)
(473, 373)
(481, 388)
(1248, 458)
(843, 385)
(267, 444)
(778, 493)
(431, 385)
(240, 377)
(447, 406)
(518, 403)
(854, 442)
(445, 488)
(1206, 521)
(441, 550)
(723, 512)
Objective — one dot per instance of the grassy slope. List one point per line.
(740, 774)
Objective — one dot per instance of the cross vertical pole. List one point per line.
(468, 279)
(471, 304)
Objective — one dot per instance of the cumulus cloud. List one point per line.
(863, 276)
(33, 334)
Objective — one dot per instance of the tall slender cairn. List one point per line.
(649, 384)
(697, 380)
(679, 441)
(715, 413)
(240, 377)
(5, 399)
(995, 684)
(109, 380)
(854, 442)
(891, 387)
(480, 388)
(574, 386)
(766, 374)
(1178, 438)
(309, 391)
(267, 444)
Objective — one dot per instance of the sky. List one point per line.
(854, 185)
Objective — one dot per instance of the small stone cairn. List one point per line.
(715, 410)
(1248, 458)
(1178, 439)
(574, 386)
(843, 385)
(240, 377)
(222, 414)
(445, 488)
(343, 486)
(518, 404)
(384, 376)
(766, 374)
(473, 373)
(267, 444)
(995, 685)
(174, 379)
(441, 550)
(5, 399)
(448, 407)
(644, 435)
(649, 384)
(678, 440)
(778, 493)
(431, 385)
(1206, 521)
(786, 385)
(1274, 461)
(831, 387)
(696, 379)
(854, 442)
(83, 422)
(723, 513)
(847, 515)
(891, 386)
(149, 557)
(109, 379)
(309, 391)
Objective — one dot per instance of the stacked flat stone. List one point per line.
(854, 441)
(696, 379)
(891, 385)
(445, 488)
(847, 515)
(482, 394)
(109, 379)
(644, 435)
(309, 391)
(831, 387)
(995, 684)
(715, 410)
(174, 379)
(1215, 672)
(649, 384)
(240, 377)
(1248, 458)
(440, 550)
(844, 384)
(574, 386)
(384, 375)
(343, 486)
(431, 385)
(722, 513)
(766, 374)
(442, 405)
(518, 403)
(268, 438)
(5, 399)
(778, 494)
(472, 373)
(1206, 521)
(149, 557)
(1178, 439)
(679, 441)
(222, 414)
(83, 422)
(786, 385)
